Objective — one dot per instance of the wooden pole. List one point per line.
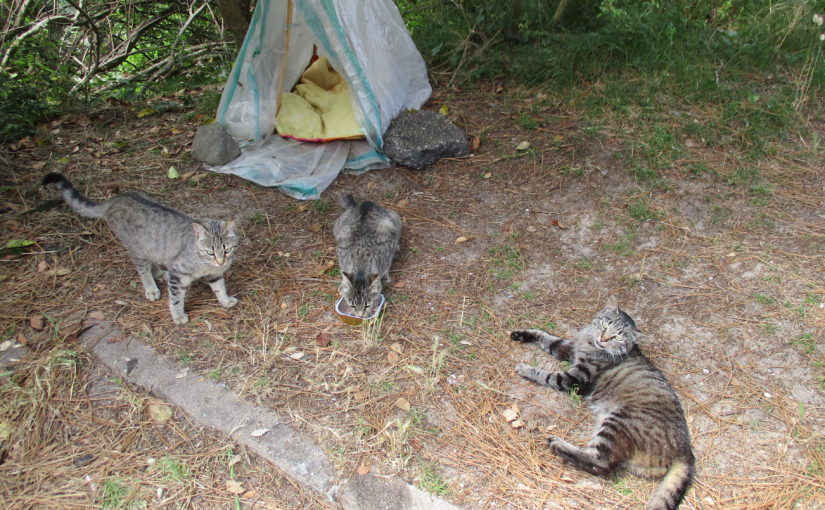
(285, 58)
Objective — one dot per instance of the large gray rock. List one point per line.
(420, 138)
(214, 146)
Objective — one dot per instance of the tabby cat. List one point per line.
(157, 237)
(640, 423)
(367, 237)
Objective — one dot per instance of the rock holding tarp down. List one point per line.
(420, 138)
(213, 145)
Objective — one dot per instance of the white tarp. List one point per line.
(365, 41)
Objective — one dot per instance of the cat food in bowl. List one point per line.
(348, 315)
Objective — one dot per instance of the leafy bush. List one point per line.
(33, 87)
(471, 39)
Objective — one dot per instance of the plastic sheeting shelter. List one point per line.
(365, 41)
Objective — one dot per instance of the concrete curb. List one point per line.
(219, 408)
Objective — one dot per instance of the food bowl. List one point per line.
(348, 315)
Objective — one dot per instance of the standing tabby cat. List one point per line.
(367, 237)
(158, 237)
(640, 423)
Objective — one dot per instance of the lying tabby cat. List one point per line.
(158, 237)
(641, 426)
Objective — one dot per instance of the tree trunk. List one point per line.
(236, 15)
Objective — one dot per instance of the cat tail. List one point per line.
(671, 490)
(348, 201)
(76, 200)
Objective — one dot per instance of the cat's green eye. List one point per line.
(210, 252)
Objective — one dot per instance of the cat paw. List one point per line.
(554, 443)
(524, 370)
(153, 294)
(181, 319)
(522, 335)
(229, 302)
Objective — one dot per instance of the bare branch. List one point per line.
(20, 38)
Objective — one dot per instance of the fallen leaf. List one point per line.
(557, 224)
(395, 346)
(318, 270)
(509, 415)
(182, 373)
(364, 467)
(58, 271)
(403, 202)
(486, 175)
(523, 146)
(187, 175)
(418, 370)
(392, 357)
(416, 445)
(517, 424)
(403, 404)
(463, 239)
(234, 460)
(145, 112)
(42, 266)
(259, 432)
(315, 227)
(14, 244)
(474, 143)
(297, 355)
(21, 339)
(251, 493)
(5, 431)
(234, 487)
(172, 173)
(36, 322)
(5, 346)
(323, 339)
(399, 284)
(96, 315)
(159, 411)
(444, 110)
(689, 143)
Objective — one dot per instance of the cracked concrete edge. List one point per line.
(219, 408)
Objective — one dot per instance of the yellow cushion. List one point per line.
(320, 108)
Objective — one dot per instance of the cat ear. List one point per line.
(349, 276)
(612, 304)
(375, 280)
(229, 226)
(200, 231)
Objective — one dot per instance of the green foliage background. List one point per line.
(704, 50)
(595, 38)
(48, 71)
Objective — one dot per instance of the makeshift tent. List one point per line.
(365, 41)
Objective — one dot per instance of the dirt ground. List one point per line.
(719, 260)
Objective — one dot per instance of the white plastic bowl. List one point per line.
(353, 319)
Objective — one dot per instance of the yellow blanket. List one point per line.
(319, 109)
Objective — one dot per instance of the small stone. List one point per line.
(213, 145)
(420, 138)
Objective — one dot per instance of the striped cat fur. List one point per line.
(641, 427)
(162, 242)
